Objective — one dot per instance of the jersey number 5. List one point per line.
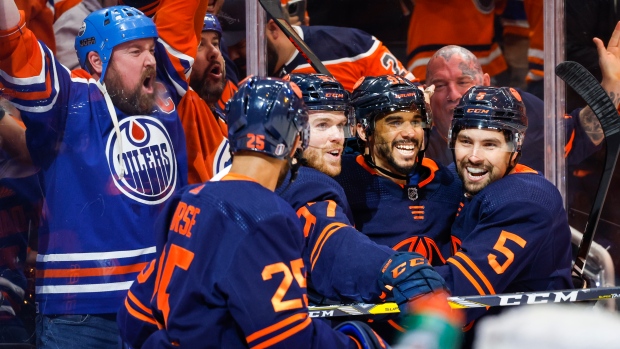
(177, 257)
(280, 267)
(499, 246)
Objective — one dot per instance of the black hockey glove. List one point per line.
(363, 334)
(408, 275)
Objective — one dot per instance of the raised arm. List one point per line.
(9, 14)
(609, 61)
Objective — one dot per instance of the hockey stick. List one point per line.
(466, 302)
(588, 88)
(274, 9)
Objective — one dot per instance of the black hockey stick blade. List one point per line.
(466, 302)
(274, 9)
(586, 85)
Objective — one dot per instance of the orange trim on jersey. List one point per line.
(360, 160)
(359, 346)
(431, 165)
(475, 268)
(139, 315)
(396, 326)
(237, 177)
(146, 272)
(137, 302)
(87, 272)
(282, 336)
(467, 275)
(523, 169)
(331, 208)
(569, 145)
(468, 326)
(325, 234)
(432, 243)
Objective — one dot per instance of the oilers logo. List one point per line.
(222, 157)
(146, 171)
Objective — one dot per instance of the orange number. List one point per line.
(297, 266)
(177, 257)
(256, 141)
(499, 246)
(310, 219)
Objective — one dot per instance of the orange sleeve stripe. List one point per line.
(313, 257)
(396, 326)
(86, 272)
(284, 335)
(359, 346)
(331, 208)
(277, 326)
(138, 315)
(467, 275)
(475, 268)
(569, 145)
(137, 302)
(322, 236)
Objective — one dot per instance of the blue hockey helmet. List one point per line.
(321, 92)
(211, 23)
(265, 115)
(496, 108)
(376, 96)
(104, 29)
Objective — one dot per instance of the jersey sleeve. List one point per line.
(343, 264)
(510, 249)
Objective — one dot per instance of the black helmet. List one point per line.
(265, 115)
(321, 92)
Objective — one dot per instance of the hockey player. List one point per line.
(342, 264)
(230, 272)
(398, 197)
(454, 69)
(513, 227)
(347, 53)
(111, 150)
(205, 129)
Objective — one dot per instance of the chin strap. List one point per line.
(295, 162)
(413, 178)
(372, 165)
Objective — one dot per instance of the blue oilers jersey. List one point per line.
(515, 237)
(101, 197)
(388, 215)
(342, 263)
(229, 274)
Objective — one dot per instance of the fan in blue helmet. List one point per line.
(208, 77)
(116, 46)
(486, 135)
(328, 110)
(393, 121)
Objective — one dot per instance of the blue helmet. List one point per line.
(376, 96)
(265, 115)
(104, 29)
(211, 23)
(321, 92)
(485, 107)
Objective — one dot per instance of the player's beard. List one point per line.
(315, 159)
(272, 58)
(385, 150)
(209, 91)
(134, 101)
(473, 188)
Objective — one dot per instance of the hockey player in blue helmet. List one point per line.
(258, 239)
(208, 77)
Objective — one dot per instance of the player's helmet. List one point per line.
(265, 115)
(374, 97)
(321, 92)
(211, 23)
(497, 108)
(104, 29)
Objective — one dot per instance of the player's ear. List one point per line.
(94, 62)
(272, 29)
(486, 80)
(361, 133)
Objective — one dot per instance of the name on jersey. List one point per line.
(146, 171)
(184, 219)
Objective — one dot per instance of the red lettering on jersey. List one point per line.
(163, 100)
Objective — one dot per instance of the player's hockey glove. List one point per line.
(363, 334)
(408, 275)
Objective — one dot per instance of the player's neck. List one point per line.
(264, 169)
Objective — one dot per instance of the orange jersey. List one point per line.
(39, 19)
(536, 52)
(435, 24)
(347, 53)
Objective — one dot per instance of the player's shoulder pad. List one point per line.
(311, 186)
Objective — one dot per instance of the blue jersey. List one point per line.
(342, 263)
(229, 275)
(383, 211)
(515, 237)
(99, 217)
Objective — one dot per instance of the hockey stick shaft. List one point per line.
(274, 9)
(466, 302)
(588, 88)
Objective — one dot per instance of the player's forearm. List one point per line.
(587, 119)
(9, 14)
